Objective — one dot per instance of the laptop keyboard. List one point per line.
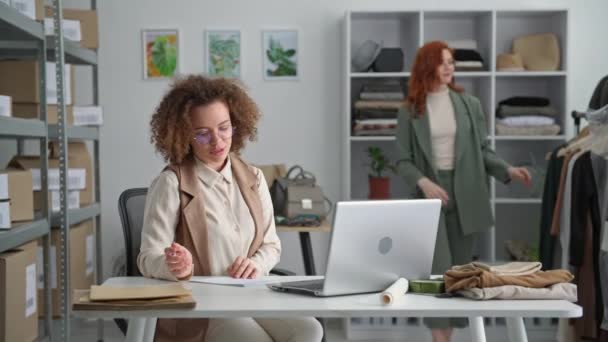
(313, 285)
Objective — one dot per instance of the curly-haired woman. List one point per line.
(441, 135)
(209, 213)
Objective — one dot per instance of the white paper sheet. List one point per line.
(229, 281)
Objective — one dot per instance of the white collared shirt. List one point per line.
(230, 226)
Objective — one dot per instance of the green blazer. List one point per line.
(474, 159)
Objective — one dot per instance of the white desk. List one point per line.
(215, 301)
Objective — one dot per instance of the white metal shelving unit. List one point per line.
(517, 213)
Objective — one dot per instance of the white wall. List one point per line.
(301, 122)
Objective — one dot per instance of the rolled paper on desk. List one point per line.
(398, 289)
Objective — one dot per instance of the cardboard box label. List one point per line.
(3, 186)
(26, 7)
(53, 264)
(71, 29)
(73, 200)
(76, 179)
(51, 83)
(5, 215)
(88, 115)
(30, 290)
(5, 105)
(90, 259)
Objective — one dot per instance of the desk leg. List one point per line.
(306, 245)
(478, 332)
(516, 330)
(150, 329)
(136, 330)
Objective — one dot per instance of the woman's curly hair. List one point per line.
(171, 130)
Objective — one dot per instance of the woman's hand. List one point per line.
(179, 260)
(243, 268)
(520, 174)
(432, 190)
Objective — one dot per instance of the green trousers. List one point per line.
(452, 247)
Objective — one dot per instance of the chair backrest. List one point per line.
(131, 205)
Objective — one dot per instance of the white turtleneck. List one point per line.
(443, 127)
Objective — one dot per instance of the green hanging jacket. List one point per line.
(474, 159)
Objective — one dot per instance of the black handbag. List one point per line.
(389, 60)
(297, 194)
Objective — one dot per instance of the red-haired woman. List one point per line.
(442, 137)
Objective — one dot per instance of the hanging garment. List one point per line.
(547, 242)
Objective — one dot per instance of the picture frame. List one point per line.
(280, 54)
(160, 53)
(223, 52)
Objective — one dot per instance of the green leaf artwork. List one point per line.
(163, 61)
(224, 55)
(283, 60)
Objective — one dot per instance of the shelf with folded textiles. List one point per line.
(559, 137)
(375, 103)
(379, 74)
(372, 138)
(558, 73)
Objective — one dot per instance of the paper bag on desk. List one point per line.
(172, 296)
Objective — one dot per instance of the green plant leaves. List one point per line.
(281, 58)
(164, 56)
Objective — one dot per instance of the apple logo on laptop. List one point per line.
(385, 245)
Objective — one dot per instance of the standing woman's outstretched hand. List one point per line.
(179, 260)
(520, 174)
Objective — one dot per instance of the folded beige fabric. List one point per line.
(378, 104)
(511, 268)
(565, 291)
(527, 130)
(466, 278)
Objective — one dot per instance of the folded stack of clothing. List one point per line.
(377, 107)
(515, 280)
(526, 115)
(466, 55)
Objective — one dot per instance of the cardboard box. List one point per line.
(5, 215)
(55, 205)
(5, 106)
(82, 264)
(31, 111)
(88, 116)
(80, 158)
(76, 176)
(71, 29)
(18, 186)
(88, 25)
(20, 80)
(33, 9)
(18, 301)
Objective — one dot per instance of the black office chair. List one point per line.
(131, 205)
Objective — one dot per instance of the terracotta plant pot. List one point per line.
(379, 188)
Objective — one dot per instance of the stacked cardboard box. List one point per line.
(89, 36)
(16, 190)
(20, 80)
(81, 263)
(18, 301)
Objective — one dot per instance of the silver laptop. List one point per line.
(373, 243)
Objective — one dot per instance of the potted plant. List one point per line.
(379, 183)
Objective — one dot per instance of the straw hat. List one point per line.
(509, 62)
(538, 51)
(365, 55)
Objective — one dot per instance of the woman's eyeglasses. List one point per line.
(205, 136)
